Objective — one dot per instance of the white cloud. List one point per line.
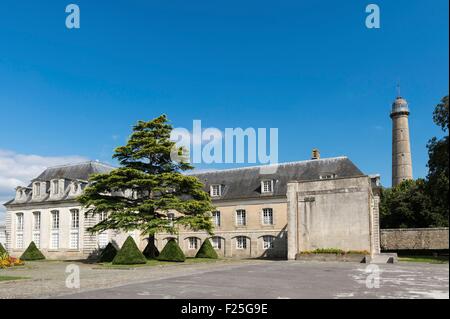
(18, 169)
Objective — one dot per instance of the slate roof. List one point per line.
(80, 171)
(242, 183)
(239, 183)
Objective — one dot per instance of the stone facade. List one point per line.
(338, 213)
(414, 239)
(251, 215)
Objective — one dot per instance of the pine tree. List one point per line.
(151, 251)
(2, 250)
(147, 186)
(107, 254)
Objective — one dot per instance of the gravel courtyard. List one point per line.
(230, 279)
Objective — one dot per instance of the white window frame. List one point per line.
(74, 239)
(192, 243)
(241, 242)
(216, 242)
(267, 186)
(37, 189)
(216, 190)
(216, 218)
(55, 187)
(37, 229)
(19, 222)
(268, 242)
(54, 233)
(241, 217)
(267, 216)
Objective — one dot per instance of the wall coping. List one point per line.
(414, 229)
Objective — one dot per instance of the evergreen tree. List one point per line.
(107, 254)
(206, 251)
(147, 186)
(32, 253)
(172, 252)
(151, 251)
(129, 254)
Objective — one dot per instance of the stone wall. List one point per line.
(414, 239)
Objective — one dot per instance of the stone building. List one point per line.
(318, 203)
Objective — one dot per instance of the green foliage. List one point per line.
(129, 254)
(2, 250)
(172, 252)
(147, 186)
(206, 251)
(151, 251)
(32, 253)
(422, 203)
(108, 253)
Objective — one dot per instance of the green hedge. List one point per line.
(151, 251)
(172, 252)
(107, 254)
(32, 253)
(2, 250)
(207, 251)
(129, 254)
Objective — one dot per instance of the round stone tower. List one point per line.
(401, 149)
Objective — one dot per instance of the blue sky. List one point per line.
(310, 68)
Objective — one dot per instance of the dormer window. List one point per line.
(37, 189)
(55, 185)
(267, 186)
(216, 190)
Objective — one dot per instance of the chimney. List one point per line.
(315, 154)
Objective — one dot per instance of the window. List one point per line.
(75, 219)
(267, 216)
(37, 239)
(216, 242)
(36, 221)
(19, 240)
(54, 242)
(268, 242)
(37, 229)
(241, 217)
(37, 189)
(19, 219)
(74, 240)
(193, 243)
(267, 186)
(241, 242)
(103, 238)
(216, 190)
(55, 220)
(54, 234)
(216, 218)
(55, 187)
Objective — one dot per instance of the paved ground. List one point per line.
(243, 280)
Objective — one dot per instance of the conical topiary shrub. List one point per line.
(172, 252)
(206, 251)
(2, 250)
(129, 254)
(32, 253)
(107, 254)
(151, 251)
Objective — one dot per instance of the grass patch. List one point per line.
(9, 278)
(155, 263)
(425, 259)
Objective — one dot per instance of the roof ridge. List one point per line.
(79, 163)
(268, 165)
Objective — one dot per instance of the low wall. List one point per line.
(414, 239)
